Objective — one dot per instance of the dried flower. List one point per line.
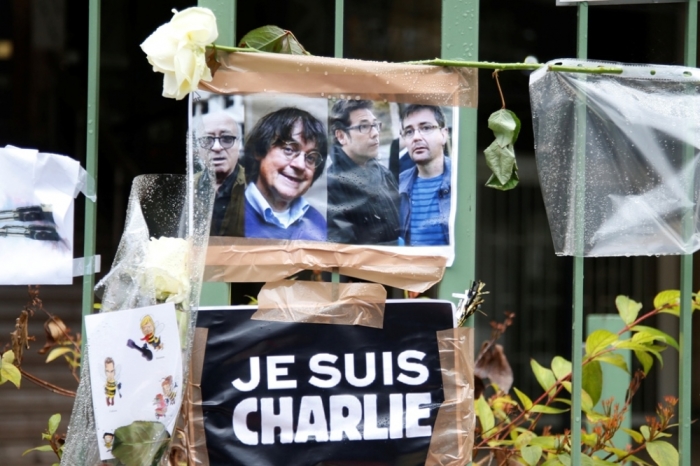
(176, 49)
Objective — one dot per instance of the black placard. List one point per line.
(360, 420)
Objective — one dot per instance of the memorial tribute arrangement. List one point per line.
(293, 163)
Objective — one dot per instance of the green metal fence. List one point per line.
(460, 40)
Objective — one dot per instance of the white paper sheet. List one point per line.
(137, 381)
(50, 182)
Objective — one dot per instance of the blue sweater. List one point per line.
(311, 226)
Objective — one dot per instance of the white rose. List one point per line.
(167, 268)
(177, 48)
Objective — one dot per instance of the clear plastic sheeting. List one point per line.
(617, 157)
(159, 206)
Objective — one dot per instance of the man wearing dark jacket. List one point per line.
(363, 195)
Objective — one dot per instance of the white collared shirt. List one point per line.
(282, 219)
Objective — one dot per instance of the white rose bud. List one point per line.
(167, 268)
(177, 48)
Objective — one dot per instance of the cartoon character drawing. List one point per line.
(169, 389)
(148, 327)
(108, 439)
(112, 385)
(161, 406)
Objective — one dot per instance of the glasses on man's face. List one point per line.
(226, 142)
(425, 130)
(292, 150)
(365, 128)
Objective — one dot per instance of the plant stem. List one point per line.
(44, 384)
(498, 84)
(227, 48)
(517, 66)
(470, 64)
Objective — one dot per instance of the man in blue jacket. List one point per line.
(425, 189)
(285, 153)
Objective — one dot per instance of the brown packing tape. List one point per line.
(244, 73)
(231, 259)
(322, 303)
(453, 435)
(196, 438)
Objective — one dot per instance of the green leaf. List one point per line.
(141, 443)
(561, 367)
(485, 415)
(543, 375)
(54, 421)
(627, 308)
(547, 409)
(565, 459)
(526, 402)
(493, 182)
(663, 453)
(599, 340)
(615, 359)
(501, 160)
(592, 380)
(8, 371)
(670, 298)
(56, 352)
(273, 39)
(644, 430)
(586, 401)
(516, 132)
(41, 448)
(524, 438)
(646, 360)
(636, 436)
(567, 386)
(531, 454)
(668, 339)
(504, 126)
(547, 442)
(589, 438)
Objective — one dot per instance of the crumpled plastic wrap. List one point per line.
(159, 206)
(617, 157)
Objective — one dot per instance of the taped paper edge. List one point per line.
(232, 259)
(322, 303)
(196, 438)
(324, 77)
(87, 265)
(453, 434)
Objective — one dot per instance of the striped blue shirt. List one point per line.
(425, 213)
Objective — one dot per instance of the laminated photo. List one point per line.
(309, 179)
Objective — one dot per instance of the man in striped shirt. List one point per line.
(425, 189)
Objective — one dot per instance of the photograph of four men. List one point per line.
(340, 170)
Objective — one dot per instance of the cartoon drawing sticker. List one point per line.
(112, 385)
(108, 438)
(161, 406)
(148, 327)
(169, 389)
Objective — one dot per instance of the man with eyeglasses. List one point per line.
(221, 143)
(363, 195)
(284, 154)
(425, 188)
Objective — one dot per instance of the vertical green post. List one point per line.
(339, 31)
(686, 317)
(577, 324)
(460, 41)
(93, 110)
(219, 293)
